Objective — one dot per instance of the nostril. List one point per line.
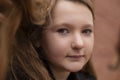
(77, 46)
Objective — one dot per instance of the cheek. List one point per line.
(56, 47)
(89, 44)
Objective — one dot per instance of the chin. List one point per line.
(75, 69)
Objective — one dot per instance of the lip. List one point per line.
(75, 56)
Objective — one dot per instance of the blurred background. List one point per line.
(106, 57)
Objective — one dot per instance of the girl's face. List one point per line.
(68, 42)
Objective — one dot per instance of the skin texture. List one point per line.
(68, 41)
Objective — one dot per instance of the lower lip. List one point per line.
(76, 57)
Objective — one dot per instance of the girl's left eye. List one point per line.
(63, 31)
(87, 31)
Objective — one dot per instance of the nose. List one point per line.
(77, 42)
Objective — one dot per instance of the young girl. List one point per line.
(67, 40)
(53, 41)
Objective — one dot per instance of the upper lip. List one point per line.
(75, 55)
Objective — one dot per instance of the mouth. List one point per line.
(75, 56)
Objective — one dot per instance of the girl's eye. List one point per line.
(87, 31)
(63, 31)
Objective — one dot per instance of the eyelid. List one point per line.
(63, 25)
(87, 31)
(63, 30)
(88, 27)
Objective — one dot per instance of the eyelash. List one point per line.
(63, 31)
(87, 31)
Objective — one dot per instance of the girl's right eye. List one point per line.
(63, 31)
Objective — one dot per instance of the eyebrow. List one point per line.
(84, 25)
(88, 25)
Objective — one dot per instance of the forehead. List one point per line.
(74, 10)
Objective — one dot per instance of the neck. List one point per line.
(60, 74)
